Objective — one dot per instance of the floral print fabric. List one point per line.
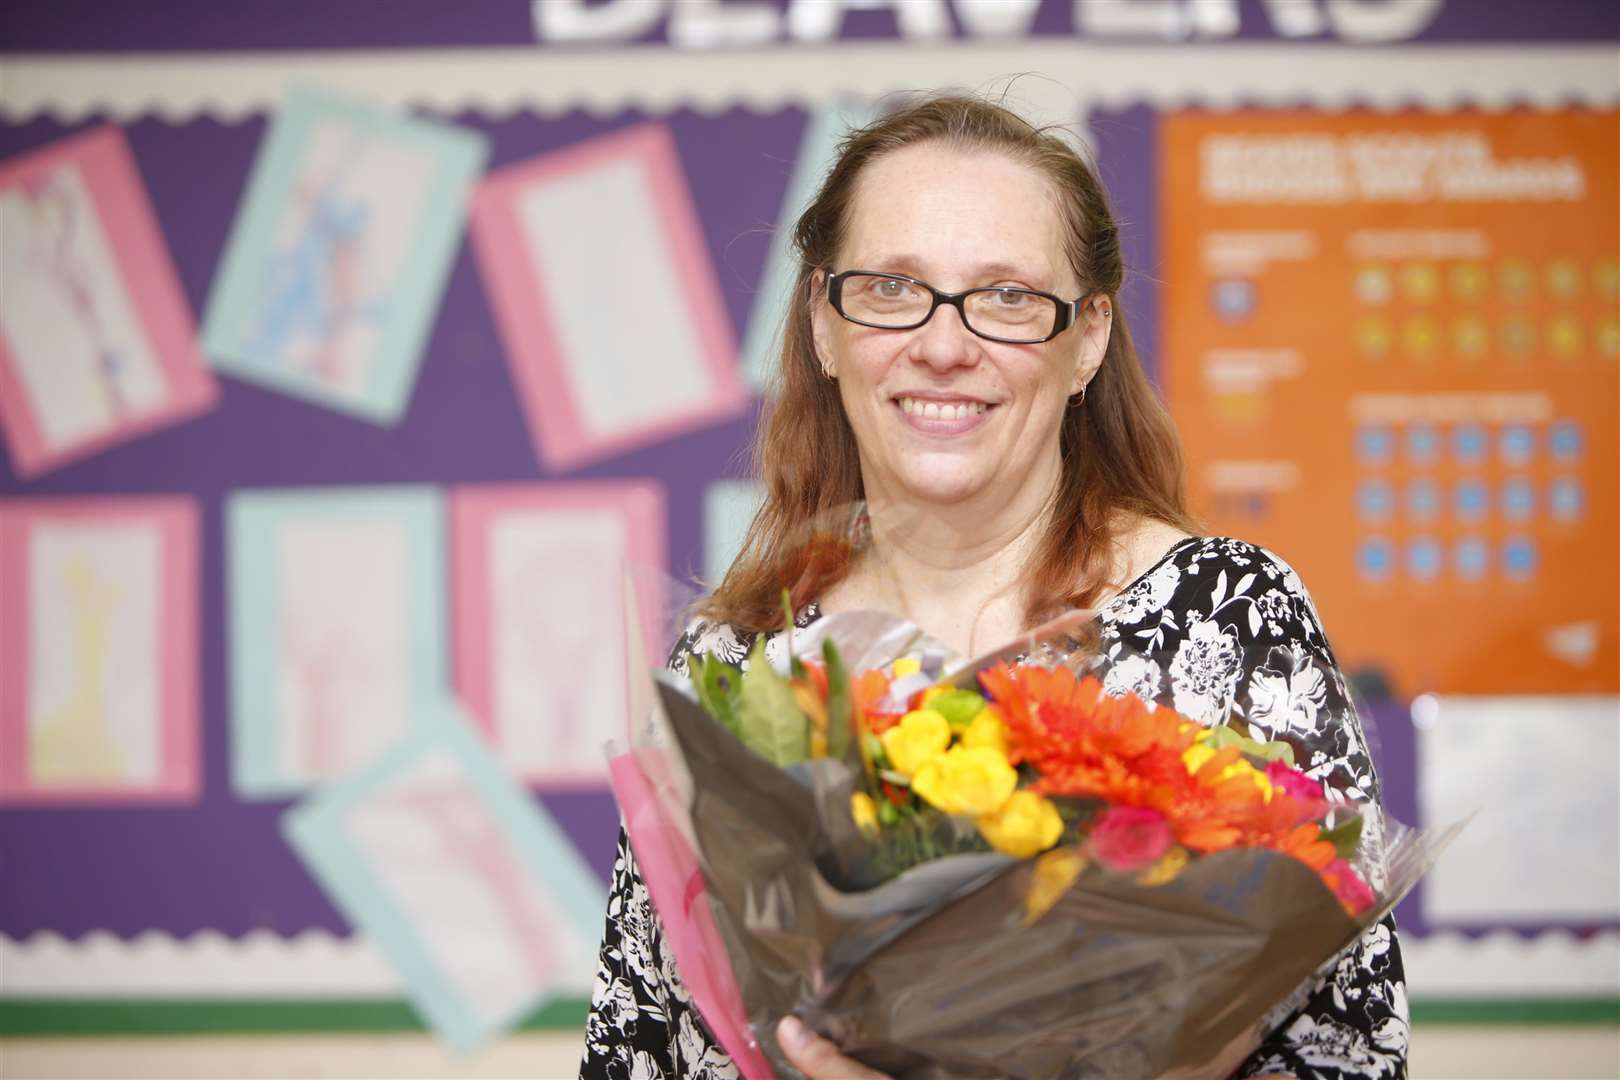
(1217, 628)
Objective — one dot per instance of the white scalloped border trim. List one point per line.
(260, 964)
(1065, 78)
(316, 964)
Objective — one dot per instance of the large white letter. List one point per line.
(1131, 18)
(1172, 19)
(708, 24)
(997, 18)
(1381, 20)
(571, 20)
(1296, 18)
(819, 20)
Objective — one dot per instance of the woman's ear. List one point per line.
(1096, 326)
(819, 331)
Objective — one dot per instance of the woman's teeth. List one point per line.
(934, 410)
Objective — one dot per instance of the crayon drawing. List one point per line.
(540, 640)
(98, 652)
(465, 883)
(606, 297)
(337, 621)
(338, 258)
(95, 337)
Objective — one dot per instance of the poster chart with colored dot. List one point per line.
(1408, 325)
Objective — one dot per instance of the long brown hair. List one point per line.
(1121, 456)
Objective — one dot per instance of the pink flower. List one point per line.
(1129, 838)
(1347, 885)
(1291, 781)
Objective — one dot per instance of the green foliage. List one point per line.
(770, 722)
(840, 722)
(1222, 737)
(718, 686)
(1345, 837)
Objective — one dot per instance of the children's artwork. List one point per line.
(96, 338)
(98, 650)
(340, 253)
(1544, 846)
(729, 507)
(540, 632)
(817, 149)
(337, 628)
(462, 879)
(605, 295)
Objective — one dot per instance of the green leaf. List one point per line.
(1222, 737)
(1345, 837)
(718, 685)
(771, 723)
(795, 665)
(839, 721)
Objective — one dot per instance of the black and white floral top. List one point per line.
(1216, 628)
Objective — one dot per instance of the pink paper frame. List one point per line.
(527, 329)
(125, 211)
(177, 519)
(473, 510)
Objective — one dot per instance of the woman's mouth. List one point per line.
(948, 416)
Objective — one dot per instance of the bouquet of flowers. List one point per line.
(989, 869)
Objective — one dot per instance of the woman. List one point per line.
(959, 361)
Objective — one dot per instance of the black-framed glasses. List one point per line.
(996, 313)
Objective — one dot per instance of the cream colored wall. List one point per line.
(1439, 1053)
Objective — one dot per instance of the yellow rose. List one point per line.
(1053, 874)
(987, 730)
(971, 780)
(920, 735)
(864, 811)
(906, 665)
(1025, 825)
(1165, 870)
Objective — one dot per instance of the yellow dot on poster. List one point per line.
(1372, 339)
(1606, 278)
(1563, 278)
(1516, 279)
(1607, 338)
(1518, 338)
(1468, 281)
(1564, 337)
(1470, 338)
(1419, 337)
(1420, 282)
(1372, 284)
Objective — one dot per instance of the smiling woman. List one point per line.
(956, 361)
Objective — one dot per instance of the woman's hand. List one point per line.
(819, 1058)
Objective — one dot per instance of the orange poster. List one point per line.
(1392, 345)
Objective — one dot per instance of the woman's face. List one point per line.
(956, 220)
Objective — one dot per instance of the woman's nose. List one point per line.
(944, 341)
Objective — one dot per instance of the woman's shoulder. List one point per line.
(1203, 577)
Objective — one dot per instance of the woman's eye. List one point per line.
(891, 289)
(1012, 299)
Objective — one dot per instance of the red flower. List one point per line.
(1128, 838)
(1347, 885)
(1287, 779)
